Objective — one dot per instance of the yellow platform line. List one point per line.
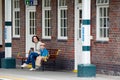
(13, 78)
(75, 71)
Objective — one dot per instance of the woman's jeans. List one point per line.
(32, 58)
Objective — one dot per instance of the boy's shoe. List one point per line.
(32, 69)
(37, 68)
(24, 65)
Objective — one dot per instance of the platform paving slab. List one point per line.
(25, 74)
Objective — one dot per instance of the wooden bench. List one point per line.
(53, 53)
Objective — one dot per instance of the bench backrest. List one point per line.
(53, 53)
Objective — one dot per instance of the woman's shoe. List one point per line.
(24, 65)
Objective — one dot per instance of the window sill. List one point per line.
(103, 42)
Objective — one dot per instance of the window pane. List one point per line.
(16, 3)
(47, 23)
(106, 1)
(103, 22)
(63, 22)
(47, 3)
(105, 32)
(62, 2)
(17, 23)
(80, 22)
(47, 18)
(105, 14)
(16, 17)
(101, 2)
(32, 23)
(79, 1)
(101, 12)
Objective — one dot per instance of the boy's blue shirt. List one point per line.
(44, 52)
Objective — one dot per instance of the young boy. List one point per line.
(43, 53)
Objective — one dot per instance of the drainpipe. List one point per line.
(86, 69)
(8, 25)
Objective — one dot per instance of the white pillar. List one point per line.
(7, 33)
(86, 69)
(86, 31)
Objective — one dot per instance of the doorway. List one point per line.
(30, 26)
(78, 41)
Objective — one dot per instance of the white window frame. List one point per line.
(46, 7)
(61, 7)
(102, 4)
(14, 27)
(1, 29)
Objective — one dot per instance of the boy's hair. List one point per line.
(42, 44)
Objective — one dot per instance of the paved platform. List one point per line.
(25, 74)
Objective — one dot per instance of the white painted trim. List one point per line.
(28, 8)
(76, 33)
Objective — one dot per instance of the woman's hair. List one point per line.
(33, 38)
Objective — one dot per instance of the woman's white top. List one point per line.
(37, 47)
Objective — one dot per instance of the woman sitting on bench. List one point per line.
(32, 57)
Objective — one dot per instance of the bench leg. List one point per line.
(43, 66)
(54, 64)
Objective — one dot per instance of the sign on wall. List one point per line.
(31, 2)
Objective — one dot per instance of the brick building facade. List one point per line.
(104, 53)
(66, 56)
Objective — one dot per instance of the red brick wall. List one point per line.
(66, 56)
(67, 46)
(2, 46)
(18, 44)
(106, 55)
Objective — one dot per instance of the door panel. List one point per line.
(30, 27)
